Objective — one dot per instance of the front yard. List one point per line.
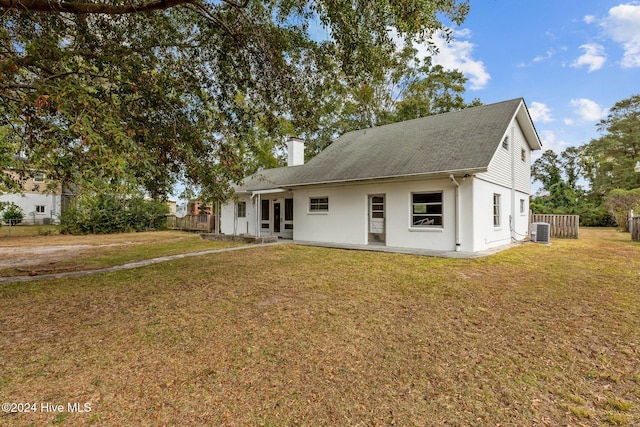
(291, 335)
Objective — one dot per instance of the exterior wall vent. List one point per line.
(540, 232)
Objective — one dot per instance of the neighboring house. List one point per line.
(197, 207)
(453, 181)
(40, 202)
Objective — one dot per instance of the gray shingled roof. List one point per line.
(459, 141)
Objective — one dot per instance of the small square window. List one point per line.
(40, 209)
(319, 204)
(39, 177)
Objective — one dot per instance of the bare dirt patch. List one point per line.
(45, 255)
(57, 253)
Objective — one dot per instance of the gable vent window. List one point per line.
(505, 143)
(319, 204)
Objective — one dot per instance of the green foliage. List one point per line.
(607, 164)
(620, 203)
(411, 88)
(111, 213)
(610, 160)
(188, 92)
(12, 213)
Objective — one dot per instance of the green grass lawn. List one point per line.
(288, 335)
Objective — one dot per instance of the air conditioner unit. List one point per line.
(540, 232)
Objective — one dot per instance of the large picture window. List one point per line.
(319, 204)
(426, 209)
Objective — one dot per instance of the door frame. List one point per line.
(376, 237)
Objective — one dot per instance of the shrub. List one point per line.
(110, 213)
(12, 214)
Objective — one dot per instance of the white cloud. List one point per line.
(568, 122)
(588, 19)
(550, 141)
(588, 110)
(540, 112)
(550, 53)
(622, 25)
(458, 54)
(593, 57)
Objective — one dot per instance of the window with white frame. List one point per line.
(40, 209)
(426, 209)
(39, 177)
(496, 210)
(522, 206)
(242, 209)
(318, 204)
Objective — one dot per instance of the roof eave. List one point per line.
(405, 177)
(529, 130)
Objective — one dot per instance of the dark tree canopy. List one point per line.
(117, 94)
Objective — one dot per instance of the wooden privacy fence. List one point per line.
(635, 228)
(201, 222)
(562, 226)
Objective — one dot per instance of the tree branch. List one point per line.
(91, 8)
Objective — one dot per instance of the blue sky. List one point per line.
(571, 60)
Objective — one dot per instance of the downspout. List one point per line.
(512, 218)
(453, 179)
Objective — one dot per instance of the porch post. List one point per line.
(258, 215)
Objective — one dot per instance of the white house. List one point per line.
(454, 181)
(40, 203)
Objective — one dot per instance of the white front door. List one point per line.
(376, 219)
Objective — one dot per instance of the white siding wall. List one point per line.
(485, 235)
(29, 201)
(522, 167)
(346, 221)
(500, 167)
(228, 222)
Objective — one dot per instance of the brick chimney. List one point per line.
(295, 151)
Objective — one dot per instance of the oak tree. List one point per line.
(115, 94)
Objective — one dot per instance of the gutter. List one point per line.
(453, 179)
